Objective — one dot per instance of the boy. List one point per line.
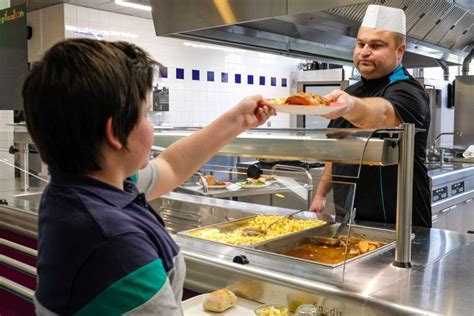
(102, 249)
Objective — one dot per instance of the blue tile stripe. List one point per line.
(195, 74)
(225, 77)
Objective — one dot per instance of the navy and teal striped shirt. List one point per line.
(103, 251)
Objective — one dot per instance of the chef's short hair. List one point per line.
(74, 89)
(399, 39)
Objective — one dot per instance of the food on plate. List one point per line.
(277, 101)
(251, 181)
(302, 98)
(271, 310)
(268, 177)
(219, 301)
(238, 236)
(211, 180)
(333, 252)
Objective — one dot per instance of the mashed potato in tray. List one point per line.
(239, 237)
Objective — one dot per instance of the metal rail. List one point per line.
(18, 247)
(405, 197)
(16, 288)
(18, 265)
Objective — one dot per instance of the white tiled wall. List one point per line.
(192, 103)
(48, 28)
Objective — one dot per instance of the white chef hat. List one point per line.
(385, 18)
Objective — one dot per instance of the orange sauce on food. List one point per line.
(320, 253)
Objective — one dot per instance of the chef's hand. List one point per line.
(253, 111)
(344, 100)
(317, 205)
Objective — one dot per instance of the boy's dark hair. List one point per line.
(73, 90)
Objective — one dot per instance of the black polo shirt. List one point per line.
(376, 191)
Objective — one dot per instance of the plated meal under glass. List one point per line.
(213, 182)
(255, 183)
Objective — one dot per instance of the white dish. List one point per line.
(243, 185)
(307, 109)
(193, 307)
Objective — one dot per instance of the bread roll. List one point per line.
(219, 301)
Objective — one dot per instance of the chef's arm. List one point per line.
(372, 113)
(323, 188)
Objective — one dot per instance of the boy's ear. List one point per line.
(110, 137)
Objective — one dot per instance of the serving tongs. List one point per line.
(334, 240)
(251, 231)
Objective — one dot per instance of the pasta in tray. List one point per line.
(239, 237)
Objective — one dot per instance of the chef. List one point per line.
(386, 96)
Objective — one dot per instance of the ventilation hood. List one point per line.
(323, 30)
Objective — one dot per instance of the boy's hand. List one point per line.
(252, 111)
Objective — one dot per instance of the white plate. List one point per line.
(220, 186)
(193, 307)
(307, 109)
(243, 185)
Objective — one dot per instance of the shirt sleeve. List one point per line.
(124, 276)
(146, 178)
(409, 101)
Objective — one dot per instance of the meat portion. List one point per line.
(304, 98)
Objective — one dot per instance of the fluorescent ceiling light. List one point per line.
(133, 5)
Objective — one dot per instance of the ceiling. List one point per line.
(320, 30)
(334, 27)
(104, 5)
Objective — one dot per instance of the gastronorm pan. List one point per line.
(280, 246)
(236, 224)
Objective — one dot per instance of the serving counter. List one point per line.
(439, 282)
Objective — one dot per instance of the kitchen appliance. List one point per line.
(464, 112)
(452, 197)
(161, 99)
(442, 116)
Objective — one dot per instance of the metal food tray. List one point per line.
(277, 247)
(238, 223)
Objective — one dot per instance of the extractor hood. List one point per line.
(322, 30)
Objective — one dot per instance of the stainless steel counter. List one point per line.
(439, 282)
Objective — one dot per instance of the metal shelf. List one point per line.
(300, 144)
